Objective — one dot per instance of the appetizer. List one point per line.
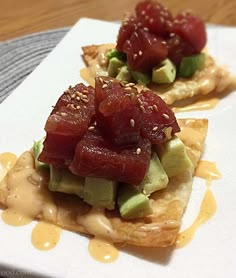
(115, 164)
(158, 50)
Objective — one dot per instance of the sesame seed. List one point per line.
(138, 151)
(172, 35)
(140, 53)
(63, 114)
(163, 42)
(145, 29)
(166, 116)
(100, 79)
(155, 107)
(135, 56)
(73, 95)
(132, 122)
(140, 101)
(77, 107)
(151, 20)
(85, 91)
(129, 84)
(91, 128)
(143, 12)
(128, 89)
(85, 100)
(142, 108)
(146, 17)
(78, 98)
(104, 86)
(155, 128)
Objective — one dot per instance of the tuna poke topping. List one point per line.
(107, 132)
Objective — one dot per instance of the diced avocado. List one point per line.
(37, 149)
(156, 177)
(115, 53)
(124, 74)
(133, 204)
(173, 157)
(100, 192)
(190, 64)
(62, 180)
(165, 73)
(114, 66)
(140, 77)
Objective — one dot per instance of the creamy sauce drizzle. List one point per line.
(102, 250)
(7, 161)
(45, 236)
(207, 170)
(96, 223)
(207, 210)
(199, 105)
(14, 218)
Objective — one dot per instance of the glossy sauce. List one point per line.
(207, 104)
(7, 160)
(207, 210)
(45, 236)
(207, 170)
(102, 250)
(14, 218)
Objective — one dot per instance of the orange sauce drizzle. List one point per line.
(207, 210)
(207, 170)
(205, 104)
(45, 236)
(102, 251)
(7, 160)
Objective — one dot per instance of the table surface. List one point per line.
(21, 17)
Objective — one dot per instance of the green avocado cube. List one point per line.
(140, 77)
(173, 157)
(100, 192)
(165, 73)
(62, 180)
(133, 204)
(37, 149)
(114, 66)
(156, 177)
(189, 65)
(124, 74)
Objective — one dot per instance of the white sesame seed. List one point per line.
(73, 95)
(142, 108)
(138, 151)
(128, 89)
(155, 107)
(135, 56)
(140, 53)
(163, 42)
(63, 114)
(145, 29)
(100, 79)
(166, 116)
(104, 86)
(155, 128)
(143, 12)
(77, 107)
(129, 84)
(85, 100)
(151, 20)
(78, 98)
(172, 35)
(91, 128)
(132, 122)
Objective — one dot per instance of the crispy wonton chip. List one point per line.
(157, 230)
(212, 79)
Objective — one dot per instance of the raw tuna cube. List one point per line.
(67, 123)
(97, 157)
(159, 123)
(118, 115)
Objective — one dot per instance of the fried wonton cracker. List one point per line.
(157, 230)
(212, 79)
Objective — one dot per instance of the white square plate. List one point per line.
(23, 114)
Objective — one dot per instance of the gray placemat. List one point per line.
(19, 57)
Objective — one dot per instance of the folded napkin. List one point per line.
(19, 57)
